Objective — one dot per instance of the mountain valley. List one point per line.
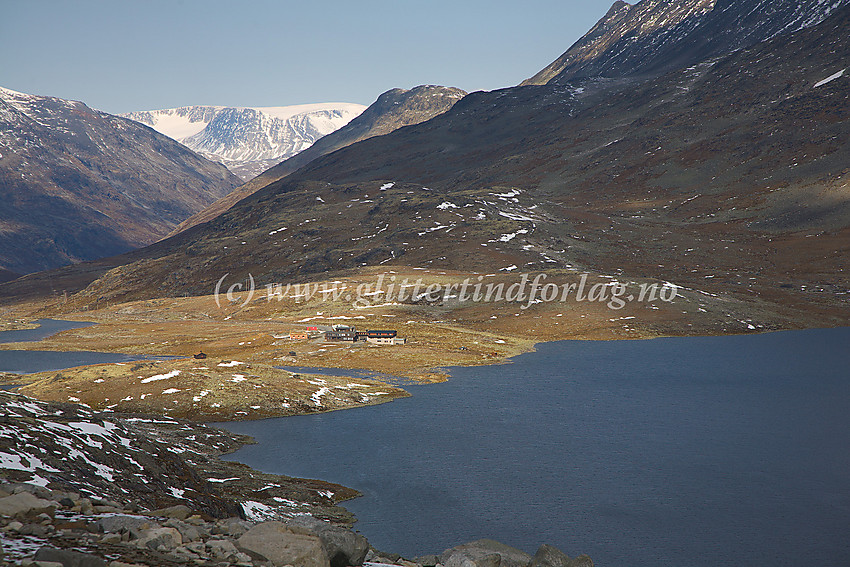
(78, 184)
(681, 170)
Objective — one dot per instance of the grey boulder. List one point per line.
(481, 553)
(167, 538)
(68, 558)
(344, 547)
(124, 523)
(179, 512)
(283, 545)
(24, 504)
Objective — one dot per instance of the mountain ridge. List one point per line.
(694, 177)
(78, 184)
(655, 36)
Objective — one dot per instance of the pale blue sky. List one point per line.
(124, 55)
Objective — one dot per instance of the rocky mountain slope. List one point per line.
(155, 462)
(248, 140)
(655, 36)
(77, 184)
(85, 489)
(393, 109)
(727, 177)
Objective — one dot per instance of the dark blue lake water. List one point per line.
(679, 451)
(46, 328)
(30, 361)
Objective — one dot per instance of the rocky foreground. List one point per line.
(82, 488)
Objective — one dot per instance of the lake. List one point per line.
(674, 451)
(31, 361)
(46, 328)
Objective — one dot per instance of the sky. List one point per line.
(125, 55)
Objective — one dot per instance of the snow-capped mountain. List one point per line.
(77, 184)
(249, 140)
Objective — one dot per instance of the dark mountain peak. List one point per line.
(616, 12)
(424, 100)
(655, 36)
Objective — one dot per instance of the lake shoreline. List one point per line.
(715, 407)
(53, 384)
(233, 515)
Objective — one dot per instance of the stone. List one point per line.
(168, 538)
(180, 512)
(198, 547)
(111, 538)
(35, 490)
(186, 553)
(344, 546)
(107, 509)
(281, 545)
(427, 560)
(23, 504)
(120, 523)
(68, 558)
(385, 559)
(492, 560)
(188, 531)
(31, 563)
(468, 555)
(14, 526)
(549, 556)
(582, 561)
(234, 527)
(221, 548)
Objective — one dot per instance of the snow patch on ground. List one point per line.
(171, 374)
(829, 79)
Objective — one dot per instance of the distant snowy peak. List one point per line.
(654, 36)
(249, 134)
(176, 123)
(249, 140)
